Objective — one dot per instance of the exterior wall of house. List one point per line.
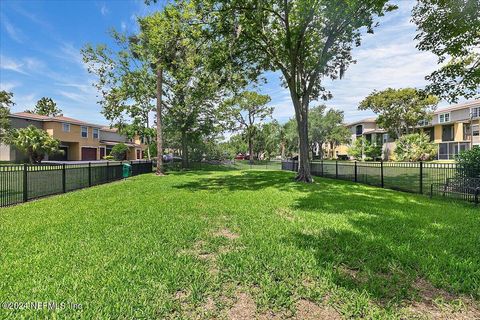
(73, 138)
(10, 153)
(71, 141)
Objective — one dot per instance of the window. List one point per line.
(66, 127)
(84, 132)
(423, 123)
(95, 133)
(466, 132)
(444, 117)
(359, 129)
(447, 133)
(475, 112)
(385, 137)
(476, 130)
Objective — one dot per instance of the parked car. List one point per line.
(171, 158)
(240, 157)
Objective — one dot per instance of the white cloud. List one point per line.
(70, 53)
(73, 96)
(123, 25)
(14, 33)
(104, 10)
(7, 63)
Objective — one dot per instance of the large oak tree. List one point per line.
(306, 40)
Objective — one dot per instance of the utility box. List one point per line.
(127, 170)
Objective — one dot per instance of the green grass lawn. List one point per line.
(241, 244)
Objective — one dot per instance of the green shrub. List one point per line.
(415, 147)
(469, 162)
(364, 150)
(119, 152)
(36, 143)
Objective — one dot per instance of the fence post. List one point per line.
(421, 177)
(108, 172)
(356, 179)
(381, 171)
(90, 174)
(64, 179)
(321, 164)
(25, 183)
(336, 169)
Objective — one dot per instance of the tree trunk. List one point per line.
(250, 149)
(160, 170)
(147, 139)
(301, 115)
(304, 174)
(283, 150)
(184, 150)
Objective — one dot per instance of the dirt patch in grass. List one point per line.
(434, 303)
(308, 310)
(285, 214)
(226, 233)
(243, 309)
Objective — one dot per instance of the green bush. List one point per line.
(119, 152)
(364, 150)
(415, 147)
(469, 162)
(36, 143)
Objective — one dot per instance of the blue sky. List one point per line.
(40, 43)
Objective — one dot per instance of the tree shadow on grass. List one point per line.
(246, 180)
(393, 240)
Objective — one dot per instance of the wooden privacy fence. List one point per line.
(435, 179)
(24, 182)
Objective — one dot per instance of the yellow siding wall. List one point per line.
(55, 129)
(438, 133)
(458, 131)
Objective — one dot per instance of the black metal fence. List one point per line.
(444, 179)
(21, 183)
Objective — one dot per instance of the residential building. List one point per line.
(368, 129)
(79, 140)
(453, 129)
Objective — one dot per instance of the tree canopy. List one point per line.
(400, 110)
(6, 102)
(36, 143)
(326, 127)
(304, 40)
(46, 107)
(247, 108)
(451, 30)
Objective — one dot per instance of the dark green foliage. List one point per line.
(119, 151)
(399, 110)
(46, 107)
(469, 161)
(451, 30)
(6, 102)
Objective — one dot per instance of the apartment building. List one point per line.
(79, 140)
(368, 129)
(453, 129)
